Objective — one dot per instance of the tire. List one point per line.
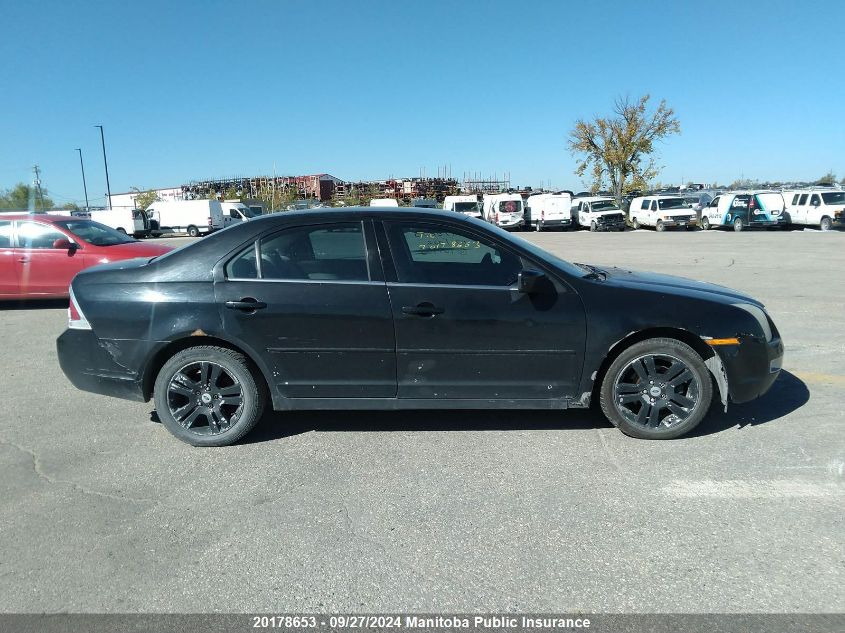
(825, 224)
(705, 223)
(593, 226)
(193, 231)
(681, 407)
(635, 223)
(660, 226)
(539, 226)
(738, 225)
(211, 374)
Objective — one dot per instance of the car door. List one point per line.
(9, 266)
(712, 211)
(813, 213)
(45, 269)
(463, 330)
(312, 301)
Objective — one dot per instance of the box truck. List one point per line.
(194, 217)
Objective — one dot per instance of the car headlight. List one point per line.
(759, 315)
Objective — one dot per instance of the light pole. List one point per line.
(106, 163)
(84, 186)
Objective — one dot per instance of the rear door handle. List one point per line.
(423, 309)
(24, 260)
(247, 304)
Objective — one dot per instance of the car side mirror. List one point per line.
(529, 281)
(63, 244)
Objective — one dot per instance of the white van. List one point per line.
(234, 212)
(661, 212)
(743, 209)
(503, 209)
(468, 205)
(598, 213)
(384, 202)
(194, 217)
(548, 210)
(129, 221)
(814, 207)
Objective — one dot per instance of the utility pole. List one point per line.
(84, 186)
(106, 163)
(37, 186)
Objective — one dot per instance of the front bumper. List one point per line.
(751, 367)
(610, 225)
(692, 221)
(90, 365)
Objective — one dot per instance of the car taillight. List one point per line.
(209, 221)
(496, 218)
(75, 319)
(751, 203)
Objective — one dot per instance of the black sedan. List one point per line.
(406, 309)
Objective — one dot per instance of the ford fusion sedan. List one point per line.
(40, 254)
(368, 308)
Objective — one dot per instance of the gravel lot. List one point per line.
(102, 510)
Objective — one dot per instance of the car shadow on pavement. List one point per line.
(786, 395)
(277, 425)
(33, 304)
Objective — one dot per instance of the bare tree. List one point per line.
(618, 149)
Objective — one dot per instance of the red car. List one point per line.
(40, 254)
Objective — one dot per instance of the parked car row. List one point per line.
(737, 210)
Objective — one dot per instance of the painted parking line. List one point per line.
(819, 379)
(752, 489)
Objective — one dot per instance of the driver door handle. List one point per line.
(248, 304)
(423, 309)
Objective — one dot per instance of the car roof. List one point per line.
(44, 217)
(362, 212)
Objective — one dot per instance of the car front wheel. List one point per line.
(825, 224)
(209, 396)
(656, 389)
(705, 222)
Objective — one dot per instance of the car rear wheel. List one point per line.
(656, 389)
(209, 396)
(825, 224)
(738, 225)
(193, 231)
(705, 222)
(635, 223)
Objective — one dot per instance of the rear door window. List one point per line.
(644, 205)
(5, 234)
(327, 252)
(803, 199)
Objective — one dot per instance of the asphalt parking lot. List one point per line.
(102, 510)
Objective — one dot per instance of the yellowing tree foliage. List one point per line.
(618, 149)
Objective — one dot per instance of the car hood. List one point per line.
(680, 286)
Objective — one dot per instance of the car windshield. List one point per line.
(96, 233)
(605, 205)
(247, 212)
(834, 197)
(672, 203)
(466, 207)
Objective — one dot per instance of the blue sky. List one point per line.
(367, 90)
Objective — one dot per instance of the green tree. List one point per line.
(828, 179)
(70, 206)
(143, 199)
(17, 198)
(617, 148)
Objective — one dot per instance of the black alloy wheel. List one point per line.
(657, 389)
(209, 396)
